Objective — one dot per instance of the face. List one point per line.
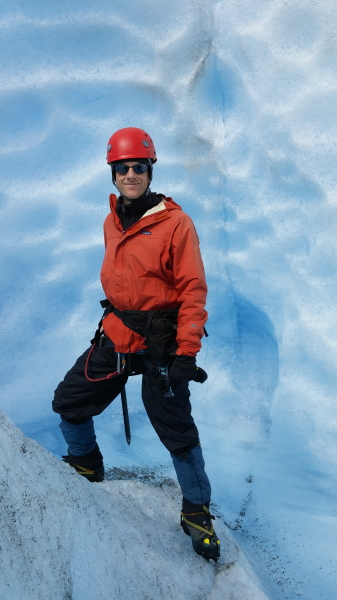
(132, 185)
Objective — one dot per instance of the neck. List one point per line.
(131, 211)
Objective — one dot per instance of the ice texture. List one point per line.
(240, 98)
(63, 537)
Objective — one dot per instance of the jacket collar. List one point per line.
(167, 203)
(154, 209)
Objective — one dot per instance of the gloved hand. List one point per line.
(185, 368)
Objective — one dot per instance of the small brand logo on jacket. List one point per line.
(146, 232)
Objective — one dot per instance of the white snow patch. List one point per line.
(64, 538)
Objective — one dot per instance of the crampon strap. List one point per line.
(205, 512)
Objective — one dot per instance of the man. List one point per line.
(154, 281)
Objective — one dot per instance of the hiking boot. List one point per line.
(90, 465)
(196, 521)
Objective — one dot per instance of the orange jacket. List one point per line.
(153, 265)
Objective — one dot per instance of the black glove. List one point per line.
(185, 368)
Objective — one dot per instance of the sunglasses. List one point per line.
(123, 169)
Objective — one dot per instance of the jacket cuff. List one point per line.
(181, 352)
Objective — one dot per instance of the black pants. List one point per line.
(78, 399)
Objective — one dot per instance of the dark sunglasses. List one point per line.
(123, 169)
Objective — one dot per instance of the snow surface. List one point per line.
(63, 538)
(240, 97)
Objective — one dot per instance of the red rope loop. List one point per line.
(109, 376)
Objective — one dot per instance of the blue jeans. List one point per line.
(189, 466)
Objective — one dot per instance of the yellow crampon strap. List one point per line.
(191, 524)
(83, 470)
(209, 532)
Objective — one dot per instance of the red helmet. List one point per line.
(130, 143)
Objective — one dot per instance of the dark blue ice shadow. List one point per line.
(257, 356)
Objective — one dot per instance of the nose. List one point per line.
(131, 174)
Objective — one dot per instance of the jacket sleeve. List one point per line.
(190, 284)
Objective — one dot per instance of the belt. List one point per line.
(105, 342)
